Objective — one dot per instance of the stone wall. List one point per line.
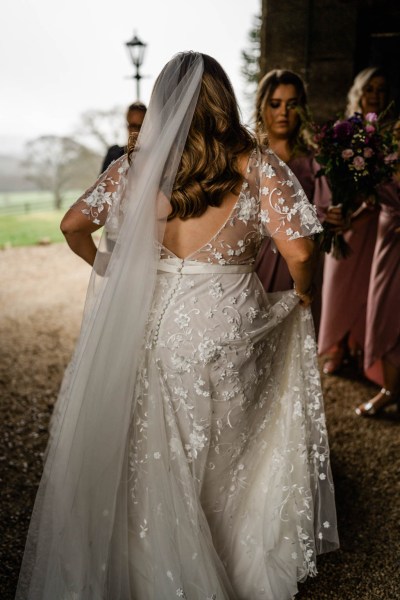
(328, 42)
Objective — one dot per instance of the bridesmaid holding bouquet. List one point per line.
(346, 281)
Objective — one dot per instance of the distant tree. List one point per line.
(101, 129)
(251, 59)
(58, 164)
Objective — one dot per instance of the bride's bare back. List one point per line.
(184, 237)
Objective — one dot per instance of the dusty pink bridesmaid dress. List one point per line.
(270, 266)
(382, 339)
(345, 287)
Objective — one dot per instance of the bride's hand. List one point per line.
(305, 298)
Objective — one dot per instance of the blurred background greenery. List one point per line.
(29, 217)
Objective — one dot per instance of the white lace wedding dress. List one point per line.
(226, 489)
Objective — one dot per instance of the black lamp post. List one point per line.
(136, 49)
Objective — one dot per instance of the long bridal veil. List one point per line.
(128, 498)
(68, 553)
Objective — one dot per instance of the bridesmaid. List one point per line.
(382, 340)
(281, 101)
(345, 287)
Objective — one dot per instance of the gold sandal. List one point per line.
(372, 408)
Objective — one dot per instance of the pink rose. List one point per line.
(369, 128)
(371, 117)
(359, 163)
(368, 152)
(391, 158)
(348, 153)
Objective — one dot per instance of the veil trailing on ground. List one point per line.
(68, 549)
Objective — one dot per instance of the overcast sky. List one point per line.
(60, 58)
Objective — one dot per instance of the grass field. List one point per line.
(27, 202)
(28, 218)
(28, 229)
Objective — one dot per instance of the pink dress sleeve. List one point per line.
(322, 197)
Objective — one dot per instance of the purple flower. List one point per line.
(359, 163)
(348, 153)
(342, 130)
(356, 118)
(368, 152)
(371, 117)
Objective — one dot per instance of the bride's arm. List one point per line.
(301, 256)
(91, 210)
(78, 230)
(288, 217)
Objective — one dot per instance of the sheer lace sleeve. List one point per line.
(285, 211)
(101, 203)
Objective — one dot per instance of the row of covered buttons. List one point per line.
(166, 305)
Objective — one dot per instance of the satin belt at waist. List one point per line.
(189, 267)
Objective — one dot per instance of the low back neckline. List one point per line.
(223, 225)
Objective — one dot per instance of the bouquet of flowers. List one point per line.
(356, 155)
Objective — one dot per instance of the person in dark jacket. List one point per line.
(134, 119)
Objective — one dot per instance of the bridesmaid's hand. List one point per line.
(335, 218)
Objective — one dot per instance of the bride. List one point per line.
(188, 456)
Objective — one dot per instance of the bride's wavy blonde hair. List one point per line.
(209, 166)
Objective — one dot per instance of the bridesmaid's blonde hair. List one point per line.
(359, 84)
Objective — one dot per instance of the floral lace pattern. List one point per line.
(228, 458)
(271, 203)
(103, 202)
(232, 426)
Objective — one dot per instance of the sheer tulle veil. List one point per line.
(68, 549)
(190, 464)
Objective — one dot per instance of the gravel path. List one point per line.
(41, 300)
